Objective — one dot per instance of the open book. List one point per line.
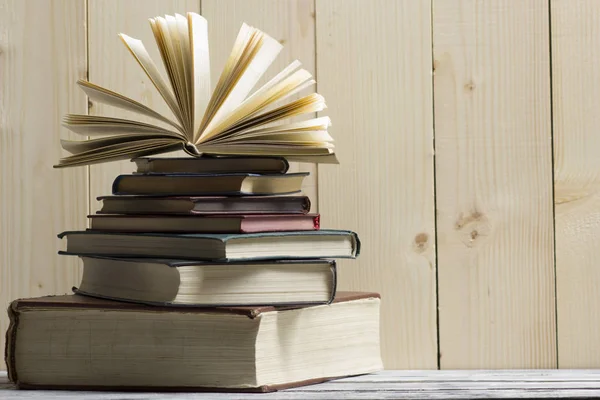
(226, 120)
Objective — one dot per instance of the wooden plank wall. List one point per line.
(466, 131)
(42, 54)
(576, 100)
(380, 104)
(494, 184)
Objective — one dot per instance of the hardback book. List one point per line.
(229, 118)
(84, 343)
(194, 223)
(324, 243)
(211, 165)
(208, 184)
(185, 283)
(204, 205)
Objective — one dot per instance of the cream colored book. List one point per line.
(229, 119)
(75, 342)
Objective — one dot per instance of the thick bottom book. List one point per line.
(83, 343)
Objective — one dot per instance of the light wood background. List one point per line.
(468, 133)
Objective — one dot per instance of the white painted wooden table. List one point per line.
(533, 384)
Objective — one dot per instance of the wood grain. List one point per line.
(576, 100)
(112, 66)
(42, 54)
(374, 69)
(494, 184)
(290, 22)
(390, 385)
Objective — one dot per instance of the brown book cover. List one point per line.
(76, 301)
(185, 205)
(215, 223)
(214, 165)
(208, 184)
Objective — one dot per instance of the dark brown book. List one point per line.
(83, 343)
(208, 184)
(204, 205)
(251, 223)
(214, 165)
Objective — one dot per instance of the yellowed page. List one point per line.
(90, 125)
(137, 49)
(320, 123)
(170, 33)
(218, 95)
(97, 146)
(136, 150)
(199, 51)
(84, 150)
(313, 139)
(287, 71)
(248, 76)
(307, 104)
(280, 137)
(261, 149)
(106, 96)
(248, 108)
(311, 125)
(179, 25)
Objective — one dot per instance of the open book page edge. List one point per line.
(90, 125)
(88, 147)
(126, 150)
(299, 137)
(114, 99)
(139, 52)
(141, 151)
(304, 105)
(170, 33)
(252, 130)
(219, 93)
(268, 49)
(293, 66)
(285, 87)
(200, 85)
(319, 123)
(279, 150)
(178, 25)
(117, 130)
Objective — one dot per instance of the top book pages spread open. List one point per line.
(228, 120)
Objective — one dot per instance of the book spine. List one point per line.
(11, 340)
(306, 205)
(334, 281)
(286, 165)
(357, 244)
(115, 185)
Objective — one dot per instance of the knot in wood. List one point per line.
(421, 242)
(470, 86)
(472, 228)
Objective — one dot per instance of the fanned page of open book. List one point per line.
(226, 120)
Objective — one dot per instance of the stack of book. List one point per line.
(206, 272)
